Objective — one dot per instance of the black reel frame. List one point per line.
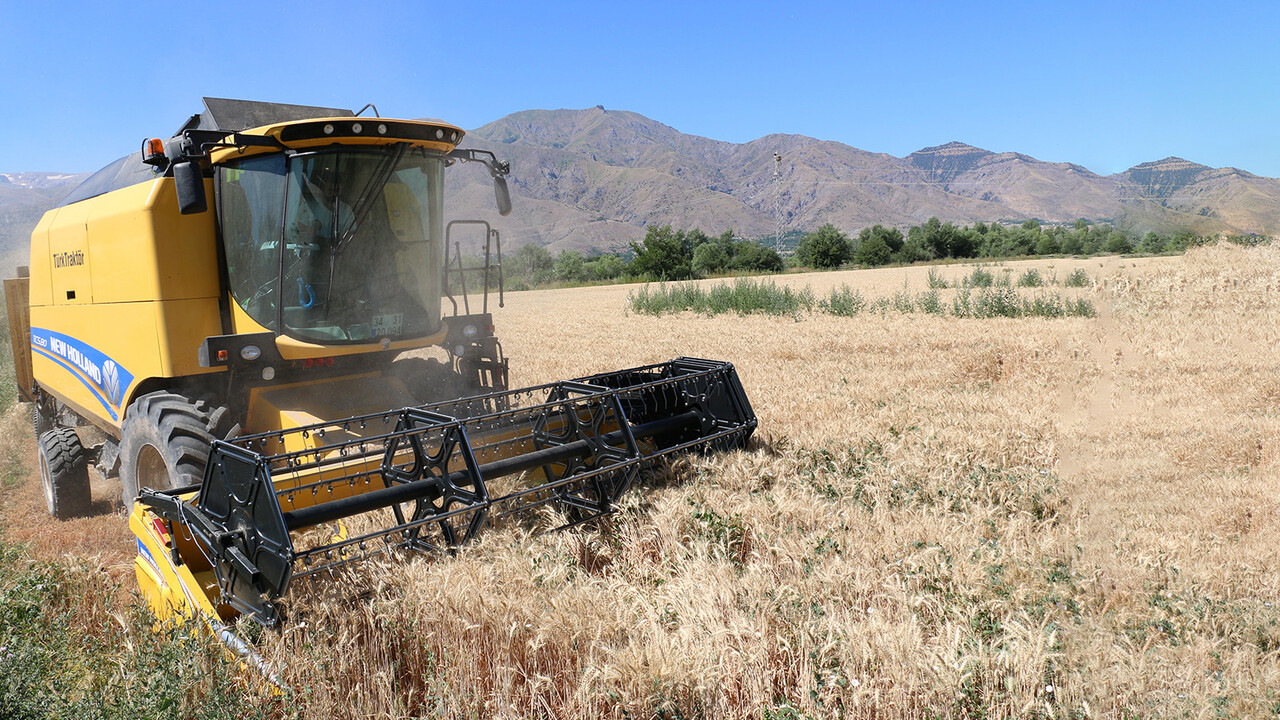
(279, 506)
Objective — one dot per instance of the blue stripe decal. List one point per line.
(104, 377)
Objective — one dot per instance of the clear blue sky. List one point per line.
(1104, 84)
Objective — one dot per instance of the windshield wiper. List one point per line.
(371, 191)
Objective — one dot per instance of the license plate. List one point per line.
(387, 324)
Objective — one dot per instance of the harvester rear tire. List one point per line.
(165, 441)
(64, 473)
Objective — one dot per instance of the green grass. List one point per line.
(980, 277)
(844, 302)
(1006, 302)
(745, 296)
(1077, 278)
(66, 653)
(1031, 278)
(8, 384)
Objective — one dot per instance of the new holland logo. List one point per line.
(105, 379)
(111, 381)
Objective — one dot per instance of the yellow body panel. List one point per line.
(73, 344)
(283, 407)
(70, 281)
(145, 285)
(174, 592)
(222, 155)
(143, 249)
(41, 292)
(293, 349)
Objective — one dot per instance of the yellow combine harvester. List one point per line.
(244, 360)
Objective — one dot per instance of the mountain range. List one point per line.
(593, 179)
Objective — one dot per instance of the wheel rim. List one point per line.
(46, 482)
(151, 469)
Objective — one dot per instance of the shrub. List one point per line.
(745, 296)
(979, 278)
(844, 301)
(930, 303)
(1031, 278)
(1077, 278)
(936, 281)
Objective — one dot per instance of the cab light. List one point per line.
(153, 152)
(250, 352)
(328, 129)
(356, 128)
(268, 373)
(382, 128)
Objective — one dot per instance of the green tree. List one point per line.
(696, 237)
(872, 252)
(1073, 242)
(892, 237)
(826, 247)
(754, 257)
(664, 254)
(1151, 243)
(1117, 242)
(710, 258)
(605, 267)
(570, 266)
(1048, 244)
(533, 263)
(914, 249)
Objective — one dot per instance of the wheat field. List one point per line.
(938, 517)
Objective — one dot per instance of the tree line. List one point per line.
(668, 254)
(663, 254)
(829, 247)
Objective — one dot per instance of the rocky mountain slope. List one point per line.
(594, 178)
(24, 197)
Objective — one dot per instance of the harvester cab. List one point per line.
(236, 311)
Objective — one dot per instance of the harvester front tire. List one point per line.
(165, 441)
(42, 418)
(64, 473)
(429, 380)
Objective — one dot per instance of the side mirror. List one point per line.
(502, 195)
(189, 181)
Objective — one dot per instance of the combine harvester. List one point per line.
(243, 361)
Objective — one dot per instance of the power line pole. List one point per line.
(777, 202)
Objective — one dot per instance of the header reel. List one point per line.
(284, 505)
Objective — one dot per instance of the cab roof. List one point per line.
(220, 114)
